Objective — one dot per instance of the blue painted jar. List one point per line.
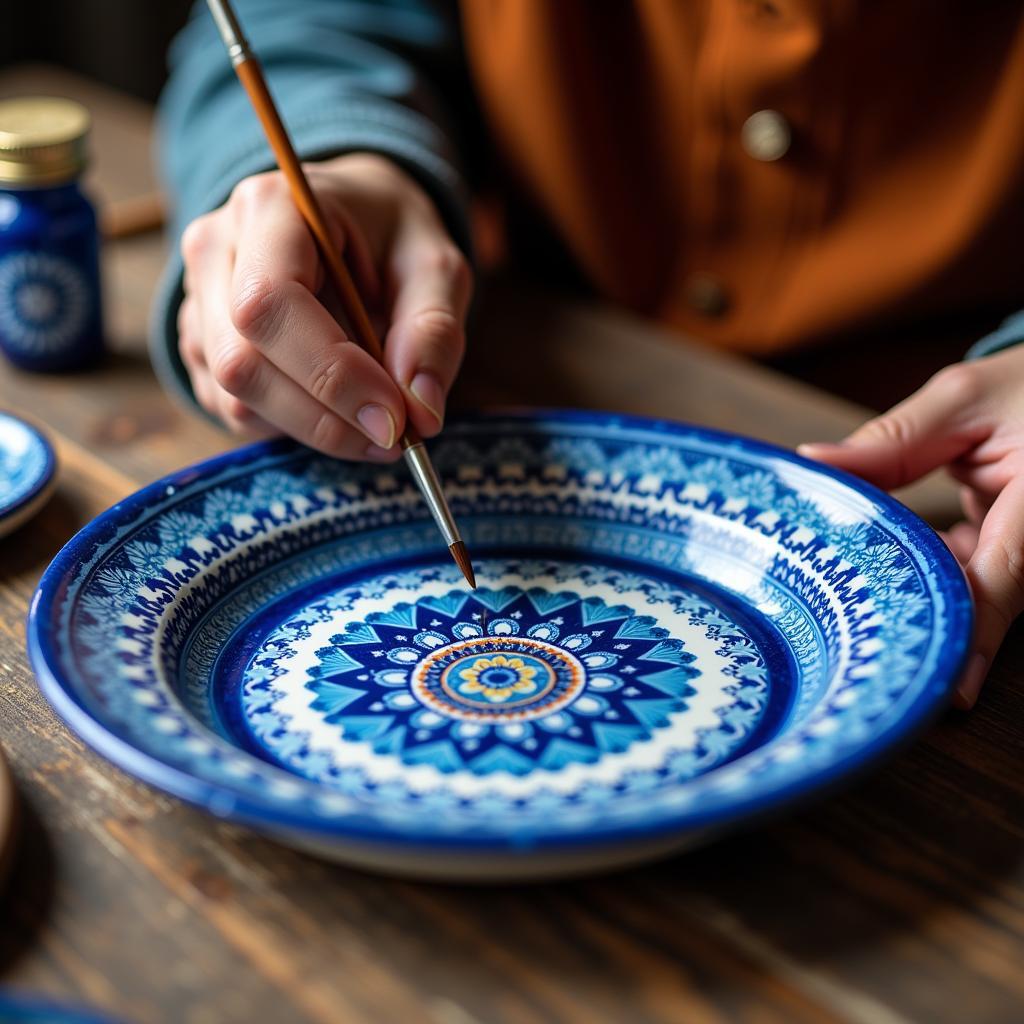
(50, 300)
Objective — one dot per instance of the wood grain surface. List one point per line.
(899, 899)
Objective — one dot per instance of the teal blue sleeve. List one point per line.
(1009, 333)
(347, 75)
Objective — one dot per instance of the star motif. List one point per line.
(474, 680)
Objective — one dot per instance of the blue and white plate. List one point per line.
(22, 1008)
(675, 630)
(27, 472)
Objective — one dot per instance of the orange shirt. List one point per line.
(882, 180)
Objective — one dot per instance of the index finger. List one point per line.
(274, 307)
(931, 428)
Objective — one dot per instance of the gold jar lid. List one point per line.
(42, 140)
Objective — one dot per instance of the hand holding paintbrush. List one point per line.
(296, 371)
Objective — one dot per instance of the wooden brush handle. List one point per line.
(251, 76)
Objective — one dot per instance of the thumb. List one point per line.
(426, 340)
(923, 432)
(996, 574)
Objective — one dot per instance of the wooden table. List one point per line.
(900, 900)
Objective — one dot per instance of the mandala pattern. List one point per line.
(44, 302)
(509, 679)
(713, 627)
(496, 679)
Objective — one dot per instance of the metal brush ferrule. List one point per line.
(423, 472)
(230, 30)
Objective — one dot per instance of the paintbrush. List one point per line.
(251, 76)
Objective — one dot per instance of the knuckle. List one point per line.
(256, 189)
(892, 430)
(235, 366)
(960, 382)
(188, 349)
(197, 238)
(440, 332)
(461, 273)
(328, 434)
(253, 305)
(447, 261)
(328, 383)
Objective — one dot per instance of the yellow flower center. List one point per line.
(520, 677)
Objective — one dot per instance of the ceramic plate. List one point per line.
(674, 630)
(21, 1008)
(27, 469)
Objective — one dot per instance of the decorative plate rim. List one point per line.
(228, 804)
(34, 1006)
(44, 479)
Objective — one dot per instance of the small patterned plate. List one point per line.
(674, 630)
(27, 472)
(18, 1007)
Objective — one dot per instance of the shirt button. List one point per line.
(766, 135)
(706, 294)
(761, 9)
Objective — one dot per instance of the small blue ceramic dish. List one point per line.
(27, 472)
(675, 630)
(21, 1008)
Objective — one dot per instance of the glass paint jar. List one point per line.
(50, 300)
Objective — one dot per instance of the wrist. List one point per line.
(372, 166)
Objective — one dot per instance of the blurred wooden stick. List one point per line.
(130, 217)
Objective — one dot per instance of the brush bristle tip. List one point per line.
(461, 556)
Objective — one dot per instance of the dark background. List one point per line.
(120, 42)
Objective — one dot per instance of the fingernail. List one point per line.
(378, 454)
(809, 447)
(377, 424)
(428, 391)
(970, 686)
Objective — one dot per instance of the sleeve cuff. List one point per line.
(1009, 333)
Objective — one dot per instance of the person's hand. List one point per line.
(265, 356)
(969, 418)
